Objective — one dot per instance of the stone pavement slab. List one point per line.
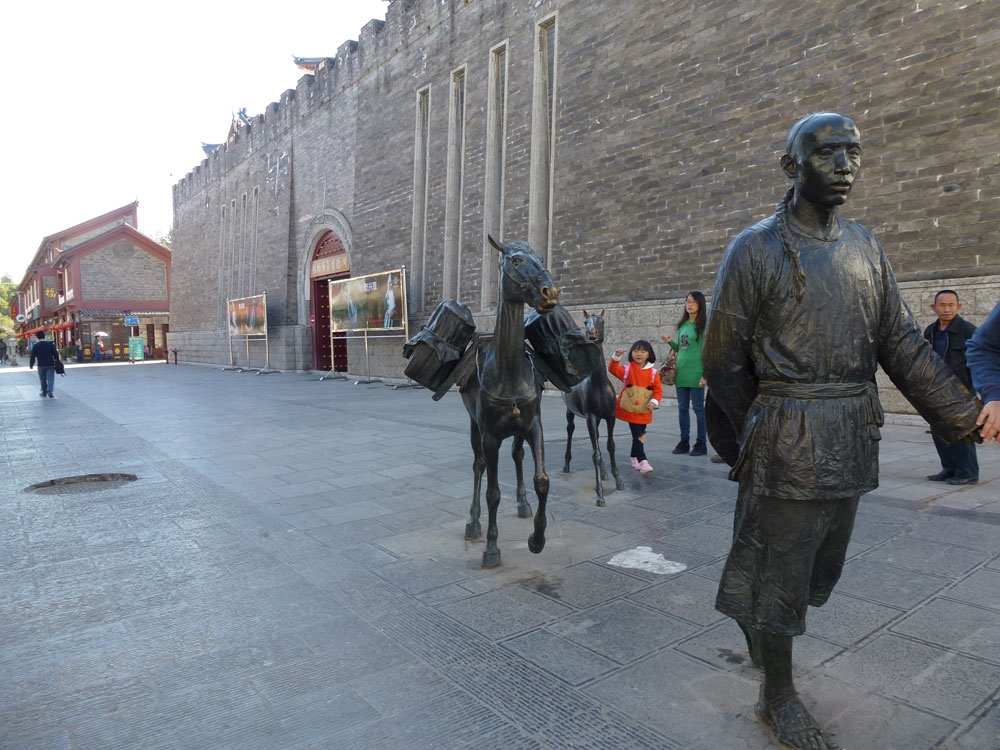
(289, 570)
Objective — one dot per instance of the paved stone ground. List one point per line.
(289, 572)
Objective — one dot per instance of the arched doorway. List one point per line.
(329, 261)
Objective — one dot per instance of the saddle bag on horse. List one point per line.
(433, 353)
(565, 351)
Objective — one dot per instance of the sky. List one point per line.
(108, 102)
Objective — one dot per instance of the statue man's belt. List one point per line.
(812, 390)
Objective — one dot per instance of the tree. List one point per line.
(167, 240)
(8, 291)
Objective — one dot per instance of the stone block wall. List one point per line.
(670, 119)
(122, 271)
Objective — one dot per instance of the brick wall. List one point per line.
(670, 119)
(122, 271)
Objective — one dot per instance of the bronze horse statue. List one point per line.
(594, 399)
(503, 393)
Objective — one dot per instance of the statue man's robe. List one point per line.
(796, 379)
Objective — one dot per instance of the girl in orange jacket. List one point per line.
(639, 397)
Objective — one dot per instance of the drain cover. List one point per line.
(80, 484)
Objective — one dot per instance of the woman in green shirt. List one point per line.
(690, 384)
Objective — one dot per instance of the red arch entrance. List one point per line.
(329, 261)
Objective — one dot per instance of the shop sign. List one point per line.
(329, 265)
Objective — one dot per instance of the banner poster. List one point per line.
(135, 348)
(248, 316)
(50, 293)
(367, 303)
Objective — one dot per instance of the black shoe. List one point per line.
(42, 394)
(700, 449)
(51, 395)
(682, 447)
(940, 476)
(964, 480)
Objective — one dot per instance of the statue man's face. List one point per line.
(825, 160)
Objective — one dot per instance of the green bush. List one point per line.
(67, 351)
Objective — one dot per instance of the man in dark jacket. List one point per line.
(805, 309)
(46, 354)
(948, 335)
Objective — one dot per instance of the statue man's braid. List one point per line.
(781, 214)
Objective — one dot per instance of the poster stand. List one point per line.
(379, 332)
(252, 328)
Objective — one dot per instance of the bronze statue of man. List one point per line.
(805, 309)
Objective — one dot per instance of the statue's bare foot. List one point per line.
(793, 726)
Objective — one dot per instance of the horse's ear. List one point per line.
(585, 315)
(496, 244)
(602, 313)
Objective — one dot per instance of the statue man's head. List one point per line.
(823, 157)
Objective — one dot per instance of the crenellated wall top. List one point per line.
(406, 22)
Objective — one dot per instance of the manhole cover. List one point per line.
(80, 484)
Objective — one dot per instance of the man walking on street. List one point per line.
(948, 336)
(47, 355)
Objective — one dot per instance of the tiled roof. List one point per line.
(114, 313)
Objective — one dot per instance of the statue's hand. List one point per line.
(989, 422)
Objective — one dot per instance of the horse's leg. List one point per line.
(570, 426)
(619, 482)
(595, 439)
(517, 453)
(599, 472)
(473, 530)
(537, 539)
(491, 454)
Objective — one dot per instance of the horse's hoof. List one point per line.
(473, 531)
(524, 511)
(600, 502)
(534, 545)
(491, 559)
(604, 476)
(620, 484)
(566, 469)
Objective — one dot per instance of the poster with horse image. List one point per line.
(375, 302)
(248, 316)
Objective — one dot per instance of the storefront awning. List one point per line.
(115, 313)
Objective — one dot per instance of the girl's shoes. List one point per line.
(644, 467)
(635, 463)
(700, 449)
(682, 447)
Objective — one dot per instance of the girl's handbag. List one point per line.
(668, 370)
(635, 398)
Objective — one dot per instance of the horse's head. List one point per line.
(594, 326)
(524, 277)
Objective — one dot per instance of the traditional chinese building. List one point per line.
(87, 279)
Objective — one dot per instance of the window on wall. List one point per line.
(242, 275)
(253, 240)
(223, 239)
(418, 236)
(496, 129)
(453, 189)
(231, 270)
(543, 140)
